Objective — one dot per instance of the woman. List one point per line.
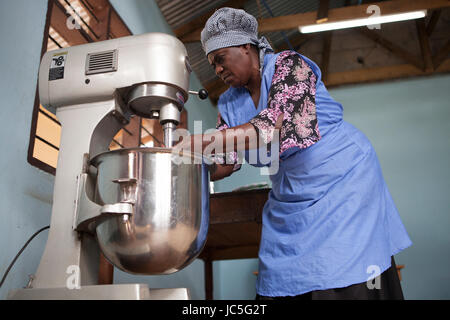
(330, 223)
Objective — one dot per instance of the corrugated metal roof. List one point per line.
(180, 12)
(352, 50)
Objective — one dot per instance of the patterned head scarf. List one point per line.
(229, 27)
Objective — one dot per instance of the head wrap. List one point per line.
(229, 27)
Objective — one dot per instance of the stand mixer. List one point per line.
(147, 213)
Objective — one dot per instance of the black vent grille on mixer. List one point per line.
(101, 62)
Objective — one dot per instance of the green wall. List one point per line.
(25, 191)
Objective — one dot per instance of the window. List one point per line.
(70, 23)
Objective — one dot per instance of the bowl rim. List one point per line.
(97, 159)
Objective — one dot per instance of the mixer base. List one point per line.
(101, 292)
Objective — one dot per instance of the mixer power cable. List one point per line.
(20, 252)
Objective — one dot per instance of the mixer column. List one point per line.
(169, 117)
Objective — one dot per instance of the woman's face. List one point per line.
(232, 65)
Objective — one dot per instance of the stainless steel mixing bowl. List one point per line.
(170, 222)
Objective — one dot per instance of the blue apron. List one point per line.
(329, 221)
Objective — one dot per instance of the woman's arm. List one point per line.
(220, 171)
(239, 138)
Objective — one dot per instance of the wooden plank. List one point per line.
(131, 137)
(59, 23)
(433, 21)
(441, 55)
(381, 74)
(293, 21)
(392, 47)
(209, 279)
(233, 234)
(243, 206)
(90, 28)
(243, 252)
(322, 13)
(345, 13)
(327, 36)
(118, 28)
(424, 45)
(297, 41)
(152, 131)
(106, 271)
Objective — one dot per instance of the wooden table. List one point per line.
(234, 229)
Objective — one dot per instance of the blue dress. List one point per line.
(329, 221)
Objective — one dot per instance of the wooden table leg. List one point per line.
(106, 271)
(208, 279)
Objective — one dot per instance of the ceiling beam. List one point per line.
(326, 52)
(322, 13)
(345, 13)
(59, 23)
(433, 21)
(296, 41)
(441, 55)
(293, 21)
(392, 47)
(424, 45)
(381, 74)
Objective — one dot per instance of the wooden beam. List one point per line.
(95, 27)
(59, 23)
(392, 47)
(339, 14)
(293, 21)
(326, 54)
(433, 21)
(209, 279)
(106, 271)
(381, 74)
(424, 45)
(118, 27)
(131, 137)
(297, 41)
(322, 13)
(238, 252)
(441, 55)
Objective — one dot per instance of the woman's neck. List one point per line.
(254, 83)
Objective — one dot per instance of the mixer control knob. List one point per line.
(202, 93)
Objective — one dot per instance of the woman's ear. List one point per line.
(246, 48)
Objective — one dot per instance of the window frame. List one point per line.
(34, 119)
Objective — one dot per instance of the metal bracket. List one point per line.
(88, 214)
